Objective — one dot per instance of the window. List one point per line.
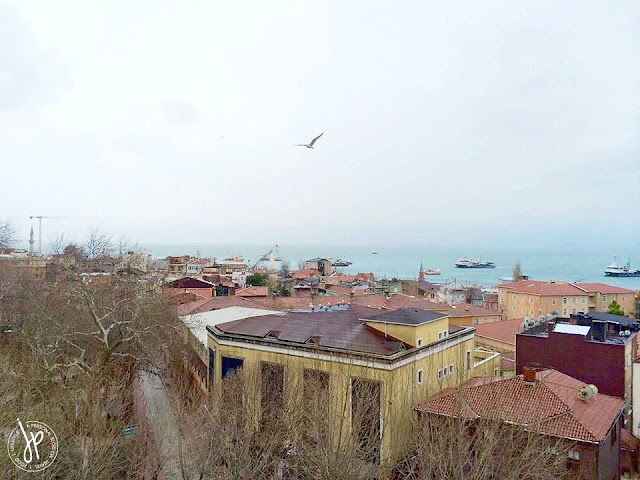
(531, 312)
(513, 308)
(439, 374)
(573, 311)
(419, 342)
(419, 377)
(564, 312)
(553, 301)
(524, 300)
(583, 300)
(450, 369)
(574, 454)
(230, 366)
(531, 300)
(564, 300)
(439, 335)
(496, 372)
(444, 371)
(539, 310)
(514, 297)
(468, 360)
(604, 298)
(624, 299)
(614, 296)
(475, 321)
(574, 300)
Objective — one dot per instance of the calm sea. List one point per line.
(570, 264)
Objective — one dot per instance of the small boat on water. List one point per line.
(374, 253)
(468, 263)
(614, 269)
(432, 271)
(235, 258)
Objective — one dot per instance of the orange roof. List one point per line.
(252, 291)
(551, 406)
(305, 273)
(504, 331)
(602, 288)
(536, 287)
(471, 310)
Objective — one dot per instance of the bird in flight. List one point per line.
(310, 144)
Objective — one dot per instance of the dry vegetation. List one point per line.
(73, 352)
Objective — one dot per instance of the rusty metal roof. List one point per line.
(339, 329)
(406, 316)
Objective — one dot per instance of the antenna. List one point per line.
(40, 217)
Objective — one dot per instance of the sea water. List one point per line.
(567, 264)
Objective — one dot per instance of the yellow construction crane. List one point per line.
(40, 217)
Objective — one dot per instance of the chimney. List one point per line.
(550, 326)
(528, 375)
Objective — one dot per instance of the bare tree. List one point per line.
(7, 234)
(517, 272)
(99, 245)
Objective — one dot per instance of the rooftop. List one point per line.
(608, 333)
(471, 310)
(340, 329)
(537, 287)
(551, 406)
(602, 288)
(504, 331)
(406, 316)
(198, 322)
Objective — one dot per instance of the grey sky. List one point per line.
(444, 121)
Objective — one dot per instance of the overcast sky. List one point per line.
(445, 122)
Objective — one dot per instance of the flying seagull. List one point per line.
(310, 145)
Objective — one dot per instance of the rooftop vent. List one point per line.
(587, 391)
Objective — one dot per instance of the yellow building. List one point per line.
(398, 357)
(467, 314)
(529, 298)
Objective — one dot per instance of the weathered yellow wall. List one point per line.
(410, 334)
(400, 388)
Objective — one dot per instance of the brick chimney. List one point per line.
(528, 375)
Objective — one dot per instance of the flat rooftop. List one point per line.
(406, 316)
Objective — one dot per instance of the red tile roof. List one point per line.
(536, 287)
(252, 291)
(471, 310)
(551, 406)
(602, 288)
(504, 331)
(305, 273)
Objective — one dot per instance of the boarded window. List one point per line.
(316, 404)
(365, 418)
(272, 391)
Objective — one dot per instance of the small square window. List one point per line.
(419, 377)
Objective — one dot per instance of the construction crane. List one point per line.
(40, 217)
(265, 257)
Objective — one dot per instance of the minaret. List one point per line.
(421, 272)
(31, 242)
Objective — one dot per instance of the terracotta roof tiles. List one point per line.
(551, 406)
